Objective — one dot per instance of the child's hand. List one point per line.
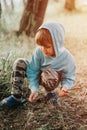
(33, 96)
(63, 92)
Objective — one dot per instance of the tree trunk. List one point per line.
(0, 10)
(12, 4)
(33, 16)
(70, 5)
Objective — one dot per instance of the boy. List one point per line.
(51, 65)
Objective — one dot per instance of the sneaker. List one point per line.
(52, 98)
(11, 102)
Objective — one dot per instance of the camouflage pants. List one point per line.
(49, 78)
(18, 75)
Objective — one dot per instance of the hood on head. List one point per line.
(57, 32)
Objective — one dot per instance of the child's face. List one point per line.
(47, 49)
(44, 41)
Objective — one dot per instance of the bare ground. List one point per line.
(71, 113)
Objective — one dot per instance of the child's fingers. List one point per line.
(33, 96)
(62, 93)
(30, 98)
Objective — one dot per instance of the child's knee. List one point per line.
(49, 79)
(20, 63)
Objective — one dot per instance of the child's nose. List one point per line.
(43, 49)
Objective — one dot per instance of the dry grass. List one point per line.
(71, 114)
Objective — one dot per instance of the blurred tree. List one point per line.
(70, 5)
(11, 13)
(33, 16)
(12, 4)
(7, 7)
(0, 9)
(56, 0)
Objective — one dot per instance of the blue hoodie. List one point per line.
(63, 62)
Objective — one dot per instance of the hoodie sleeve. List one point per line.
(68, 75)
(68, 79)
(33, 70)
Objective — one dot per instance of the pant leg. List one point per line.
(50, 79)
(18, 75)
